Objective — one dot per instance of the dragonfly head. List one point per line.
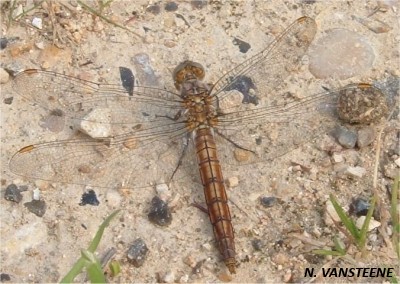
(187, 70)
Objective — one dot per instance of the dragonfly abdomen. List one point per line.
(215, 195)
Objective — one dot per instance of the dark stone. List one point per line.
(359, 206)
(13, 193)
(257, 244)
(127, 79)
(243, 46)
(160, 213)
(8, 100)
(37, 207)
(89, 198)
(137, 253)
(4, 277)
(268, 201)
(171, 7)
(345, 137)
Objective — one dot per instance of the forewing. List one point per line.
(144, 147)
(144, 108)
(267, 69)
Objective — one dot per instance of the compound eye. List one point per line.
(185, 70)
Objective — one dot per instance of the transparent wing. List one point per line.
(147, 133)
(266, 70)
(275, 128)
(255, 115)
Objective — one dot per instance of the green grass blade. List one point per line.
(395, 215)
(75, 270)
(93, 267)
(100, 231)
(364, 229)
(115, 267)
(339, 246)
(347, 222)
(87, 259)
(327, 252)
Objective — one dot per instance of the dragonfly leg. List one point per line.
(184, 151)
(199, 206)
(233, 142)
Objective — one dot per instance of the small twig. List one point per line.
(382, 229)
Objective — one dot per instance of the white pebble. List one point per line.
(397, 161)
(372, 223)
(330, 214)
(232, 182)
(36, 194)
(97, 123)
(169, 277)
(4, 76)
(358, 172)
(37, 23)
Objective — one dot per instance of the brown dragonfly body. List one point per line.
(202, 117)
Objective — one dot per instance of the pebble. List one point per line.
(359, 206)
(372, 223)
(341, 54)
(4, 277)
(190, 261)
(357, 171)
(243, 46)
(160, 213)
(97, 123)
(36, 194)
(365, 136)
(232, 182)
(171, 7)
(268, 201)
(345, 137)
(257, 244)
(241, 155)
(3, 43)
(397, 162)
(169, 277)
(90, 198)
(13, 193)
(37, 207)
(137, 253)
(37, 23)
(4, 76)
(330, 214)
(224, 277)
(288, 276)
(163, 192)
(351, 156)
(184, 278)
(337, 158)
(280, 258)
(8, 100)
(127, 79)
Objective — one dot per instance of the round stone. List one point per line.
(340, 54)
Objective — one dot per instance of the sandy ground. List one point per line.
(42, 249)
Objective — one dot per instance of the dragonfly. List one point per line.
(150, 128)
